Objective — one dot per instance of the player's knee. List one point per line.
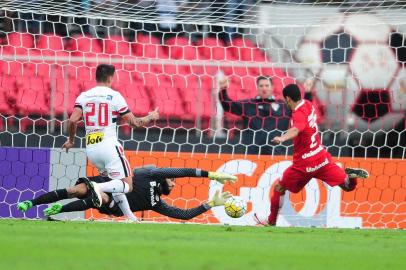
(279, 188)
(78, 191)
(105, 198)
(129, 182)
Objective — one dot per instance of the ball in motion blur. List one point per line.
(235, 207)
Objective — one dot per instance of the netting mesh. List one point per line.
(163, 58)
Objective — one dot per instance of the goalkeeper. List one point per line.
(150, 183)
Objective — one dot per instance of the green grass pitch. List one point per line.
(30, 245)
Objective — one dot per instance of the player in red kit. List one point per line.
(310, 158)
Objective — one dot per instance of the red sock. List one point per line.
(276, 204)
(352, 183)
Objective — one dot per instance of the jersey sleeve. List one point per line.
(120, 105)
(79, 102)
(170, 211)
(177, 173)
(299, 120)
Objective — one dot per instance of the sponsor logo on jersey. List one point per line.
(152, 192)
(109, 97)
(313, 152)
(318, 166)
(95, 137)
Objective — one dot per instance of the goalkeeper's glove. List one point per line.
(219, 199)
(222, 177)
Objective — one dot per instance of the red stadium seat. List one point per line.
(259, 56)
(123, 77)
(148, 46)
(17, 39)
(85, 44)
(211, 48)
(242, 42)
(137, 98)
(35, 95)
(116, 45)
(50, 42)
(8, 82)
(168, 101)
(181, 48)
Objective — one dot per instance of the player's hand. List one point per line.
(154, 115)
(67, 145)
(219, 198)
(277, 140)
(223, 83)
(222, 177)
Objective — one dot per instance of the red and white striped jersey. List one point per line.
(101, 106)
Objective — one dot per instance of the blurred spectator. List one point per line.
(264, 117)
(230, 11)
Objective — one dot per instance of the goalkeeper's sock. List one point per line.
(78, 205)
(50, 197)
(114, 186)
(276, 204)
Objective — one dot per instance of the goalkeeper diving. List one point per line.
(150, 183)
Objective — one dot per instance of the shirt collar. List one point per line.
(300, 104)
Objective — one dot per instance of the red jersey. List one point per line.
(307, 149)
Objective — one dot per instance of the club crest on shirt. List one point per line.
(109, 97)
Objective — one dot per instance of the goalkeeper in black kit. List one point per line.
(149, 182)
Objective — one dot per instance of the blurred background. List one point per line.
(172, 54)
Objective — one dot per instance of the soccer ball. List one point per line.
(235, 207)
(358, 59)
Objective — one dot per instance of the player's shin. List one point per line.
(276, 204)
(78, 205)
(49, 197)
(349, 184)
(122, 202)
(114, 186)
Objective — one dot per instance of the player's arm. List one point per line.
(185, 214)
(298, 124)
(136, 122)
(229, 105)
(289, 134)
(72, 126)
(190, 172)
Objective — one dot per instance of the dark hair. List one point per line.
(103, 72)
(264, 78)
(292, 91)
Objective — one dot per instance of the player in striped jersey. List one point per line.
(100, 107)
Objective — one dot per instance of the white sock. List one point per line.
(122, 202)
(114, 186)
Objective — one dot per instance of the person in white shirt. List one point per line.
(100, 107)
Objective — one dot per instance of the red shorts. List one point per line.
(294, 179)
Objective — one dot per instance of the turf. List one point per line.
(91, 245)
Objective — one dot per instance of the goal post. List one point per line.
(171, 55)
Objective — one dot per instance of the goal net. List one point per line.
(347, 56)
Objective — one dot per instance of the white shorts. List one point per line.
(109, 159)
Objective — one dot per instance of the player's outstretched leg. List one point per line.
(53, 210)
(356, 173)
(95, 192)
(46, 198)
(24, 206)
(276, 205)
(352, 178)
